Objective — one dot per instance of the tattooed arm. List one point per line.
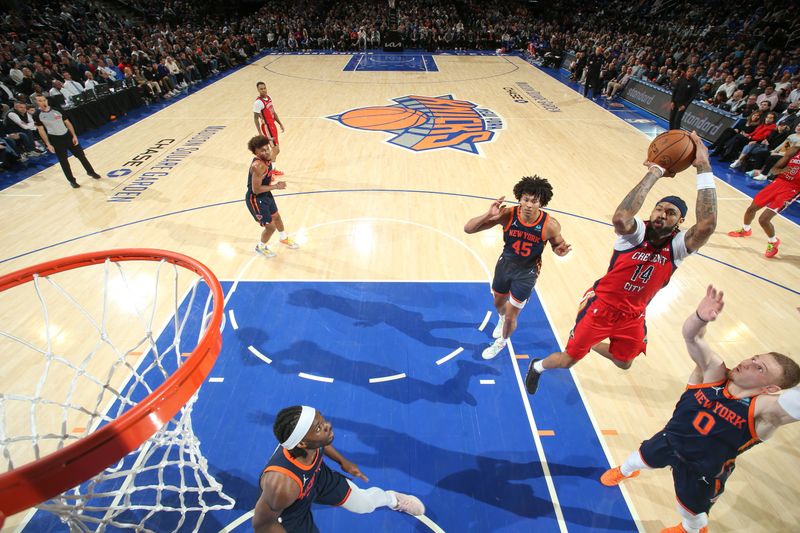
(706, 209)
(623, 221)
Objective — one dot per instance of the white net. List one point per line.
(79, 349)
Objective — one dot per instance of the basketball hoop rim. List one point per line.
(63, 469)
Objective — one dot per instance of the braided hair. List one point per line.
(535, 186)
(285, 423)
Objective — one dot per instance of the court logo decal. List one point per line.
(422, 123)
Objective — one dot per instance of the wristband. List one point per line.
(701, 319)
(705, 181)
(659, 167)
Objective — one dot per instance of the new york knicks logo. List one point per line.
(422, 123)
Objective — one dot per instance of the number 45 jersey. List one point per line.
(638, 269)
(524, 243)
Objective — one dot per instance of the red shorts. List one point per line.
(273, 131)
(598, 321)
(778, 195)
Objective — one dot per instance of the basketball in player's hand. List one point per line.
(674, 150)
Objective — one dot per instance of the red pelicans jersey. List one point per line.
(263, 106)
(792, 170)
(638, 270)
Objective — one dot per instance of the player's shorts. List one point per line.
(273, 131)
(263, 208)
(509, 277)
(331, 488)
(598, 321)
(695, 492)
(778, 195)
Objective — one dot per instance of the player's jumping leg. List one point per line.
(363, 501)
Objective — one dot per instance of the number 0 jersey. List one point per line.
(638, 270)
(524, 243)
(710, 427)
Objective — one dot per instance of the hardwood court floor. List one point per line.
(364, 209)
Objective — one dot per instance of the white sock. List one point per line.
(363, 501)
(745, 227)
(282, 235)
(538, 367)
(261, 244)
(773, 240)
(633, 463)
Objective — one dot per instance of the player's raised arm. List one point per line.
(706, 208)
(496, 214)
(623, 219)
(710, 366)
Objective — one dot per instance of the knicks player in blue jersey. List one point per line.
(259, 197)
(526, 231)
(722, 413)
(296, 476)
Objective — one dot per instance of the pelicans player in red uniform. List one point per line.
(526, 231)
(723, 413)
(776, 197)
(646, 255)
(265, 118)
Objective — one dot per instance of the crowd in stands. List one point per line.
(747, 52)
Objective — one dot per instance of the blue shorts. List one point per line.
(262, 207)
(331, 488)
(695, 492)
(515, 279)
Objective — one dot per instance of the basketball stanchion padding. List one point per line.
(153, 401)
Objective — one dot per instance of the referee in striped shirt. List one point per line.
(59, 136)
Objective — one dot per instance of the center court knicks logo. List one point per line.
(422, 123)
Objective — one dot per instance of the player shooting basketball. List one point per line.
(645, 256)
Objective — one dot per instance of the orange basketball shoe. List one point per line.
(290, 243)
(772, 248)
(276, 172)
(741, 232)
(613, 477)
(679, 529)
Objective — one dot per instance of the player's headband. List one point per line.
(677, 202)
(307, 416)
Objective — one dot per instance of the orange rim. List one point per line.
(35, 482)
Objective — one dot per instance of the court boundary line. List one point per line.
(327, 191)
(603, 445)
(537, 441)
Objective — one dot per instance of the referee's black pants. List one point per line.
(62, 145)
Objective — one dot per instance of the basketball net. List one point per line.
(97, 355)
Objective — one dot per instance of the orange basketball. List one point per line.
(674, 150)
(383, 118)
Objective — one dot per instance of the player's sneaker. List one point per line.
(613, 476)
(408, 504)
(290, 243)
(498, 329)
(741, 232)
(276, 172)
(532, 378)
(264, 250)
(772, 248)
(679, 529)
(495, 348)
